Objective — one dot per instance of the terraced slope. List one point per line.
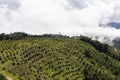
(57, 59)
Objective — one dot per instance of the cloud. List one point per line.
(11, 4)
(78, 3)
(71, 17)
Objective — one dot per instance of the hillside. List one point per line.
(59, 58)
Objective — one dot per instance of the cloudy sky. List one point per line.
(70, 17)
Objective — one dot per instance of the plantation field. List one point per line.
(59, 58)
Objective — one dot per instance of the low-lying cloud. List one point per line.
(70, 17)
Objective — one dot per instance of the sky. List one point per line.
(94, 18)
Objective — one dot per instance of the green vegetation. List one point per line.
(2, 77)
(59, 58)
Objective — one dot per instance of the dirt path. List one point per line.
(8, 78)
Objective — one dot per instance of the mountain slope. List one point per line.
(59, 58)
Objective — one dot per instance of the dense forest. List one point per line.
(57, 57)
(22, 35)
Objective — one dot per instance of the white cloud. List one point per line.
(71, 17)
